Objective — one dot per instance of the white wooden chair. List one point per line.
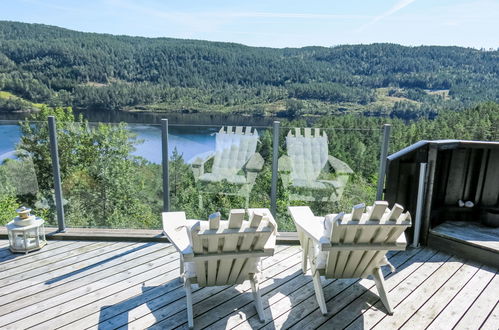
(352, 245)
(216, 253)
(309, 172)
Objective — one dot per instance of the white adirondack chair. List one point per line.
(216, 253)
(350, 245)
(309, 172)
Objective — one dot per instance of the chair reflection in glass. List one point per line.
(309, 172)
(233, 167)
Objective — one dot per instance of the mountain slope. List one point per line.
(87, 70)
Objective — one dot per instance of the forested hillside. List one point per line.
(60, 67)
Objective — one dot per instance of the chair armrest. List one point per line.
(177, 231)
(255, 163)
(339, 166)
(201, 159)
(197, 165)
(309, 224)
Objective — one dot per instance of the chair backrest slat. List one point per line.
(307, 132)
(213, 244)
(233, 149)
(236, 218)
(230, 243)
(308, 154)
(234, 235)
(377, 225)
(336, 236)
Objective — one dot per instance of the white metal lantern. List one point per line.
(26, 232)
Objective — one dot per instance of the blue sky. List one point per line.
(276, 23)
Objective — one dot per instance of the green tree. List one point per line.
(102, 182)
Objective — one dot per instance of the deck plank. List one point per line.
(164, 305)
(49, 249)
(93, 289)
(26, 272)
(370, 298)
(473, 233)
(429, 311)
(118, 304)
(340, 300)
(109, 296)
(71, 277)
(211, 296)
(420, 295)
(492, 320)
(416, 274)
(35, 261)
(463, 300)
(83, 284)
(482, 306)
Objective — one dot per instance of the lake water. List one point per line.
(189, 141)
(191, 134)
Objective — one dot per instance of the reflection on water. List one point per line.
(10, 134)
(189, 141)
(201, 118)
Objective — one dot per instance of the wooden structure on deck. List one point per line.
(457, 172)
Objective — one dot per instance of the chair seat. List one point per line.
(216, 177)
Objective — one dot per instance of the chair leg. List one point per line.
(181, 266)
(319, 293)
(258, 300)
(380, 285)
(304, 254)
(246, 201)
(188, 296)
(200, 201)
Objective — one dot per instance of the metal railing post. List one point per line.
(382, 160)
(166, 175)
(54, 153)
(419, 204)
(275, 159)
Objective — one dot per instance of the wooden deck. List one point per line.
(467, 239)
(107, 285)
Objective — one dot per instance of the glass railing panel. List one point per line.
(26, 170)
(191, 149)
(218, 168)
(327, 169)
(108, 179)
